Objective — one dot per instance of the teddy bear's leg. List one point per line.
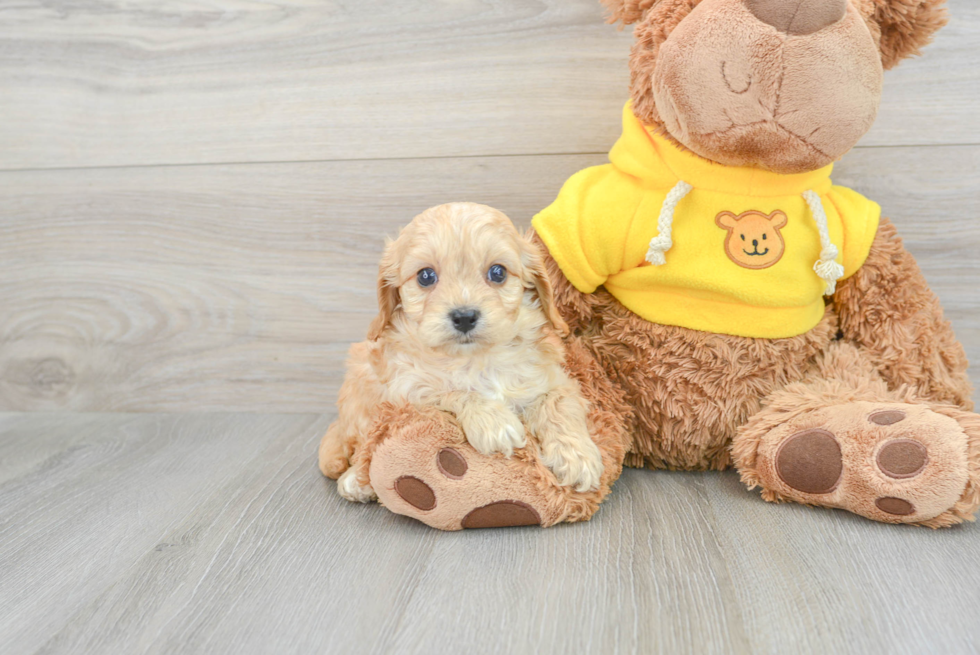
(888, 310)
(420, 465)
(842, 439)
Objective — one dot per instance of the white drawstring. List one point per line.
(662, 243)
(827, 267)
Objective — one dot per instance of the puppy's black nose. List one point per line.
(464, 320)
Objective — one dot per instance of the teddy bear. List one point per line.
(728, 305)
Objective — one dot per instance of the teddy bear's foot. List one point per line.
(891, 462)
(422, 467)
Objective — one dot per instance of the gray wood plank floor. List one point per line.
(214, 533)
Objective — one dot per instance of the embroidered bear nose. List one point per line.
(755, 242)
(798, 17)
(464, 320)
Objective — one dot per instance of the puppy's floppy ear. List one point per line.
(536, 274)
(388, 297)
(628, 11)
(906, 26)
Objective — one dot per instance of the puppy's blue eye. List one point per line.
(497, 274)
(426, 277)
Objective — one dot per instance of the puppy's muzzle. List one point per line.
(464, 319)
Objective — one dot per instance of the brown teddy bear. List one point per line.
(728, 304)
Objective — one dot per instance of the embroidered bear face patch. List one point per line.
(753, 239)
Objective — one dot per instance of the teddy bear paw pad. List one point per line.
(810, 461)
(452, 464)
(502, 514)
(415, 492)
(895, 506)
(902, 459)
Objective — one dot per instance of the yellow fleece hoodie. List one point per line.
(683, 241)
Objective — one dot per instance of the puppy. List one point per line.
(468, 325)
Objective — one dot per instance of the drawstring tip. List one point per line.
(829, 271)
(656, 257)
(658, 246)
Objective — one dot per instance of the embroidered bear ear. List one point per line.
(727, 220)
(628, 11)
(778, 219)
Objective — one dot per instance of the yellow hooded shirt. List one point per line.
(680, 240)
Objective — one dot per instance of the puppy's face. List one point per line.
(460, 278)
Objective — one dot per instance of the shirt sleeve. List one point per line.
(860, 218)
(585, 228)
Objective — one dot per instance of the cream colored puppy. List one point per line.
(467, 324)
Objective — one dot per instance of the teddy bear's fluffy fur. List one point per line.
(882, 367)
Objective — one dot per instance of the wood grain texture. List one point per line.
(239, 288)
(262, 555)
(85, 512)
(114, 83)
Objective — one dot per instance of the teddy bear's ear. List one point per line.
(628, 11)
(907, 26)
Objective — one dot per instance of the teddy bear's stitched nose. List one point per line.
(798, 17)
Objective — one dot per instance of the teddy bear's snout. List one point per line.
(784, 85)
(798, 17)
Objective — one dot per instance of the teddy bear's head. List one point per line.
(785, 85)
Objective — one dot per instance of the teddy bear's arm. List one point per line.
(887, 308)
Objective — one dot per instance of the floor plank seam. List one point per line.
(274, 162)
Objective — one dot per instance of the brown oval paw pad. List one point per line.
(810, 461)
(415, 492)
(502, 514)
(895, 506)
(902, 458)
(887, 417)
(451, 463)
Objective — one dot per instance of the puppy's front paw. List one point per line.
(351, 489)
(575, 463)
(493, 428)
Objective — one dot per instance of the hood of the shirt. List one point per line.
(646, 155)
